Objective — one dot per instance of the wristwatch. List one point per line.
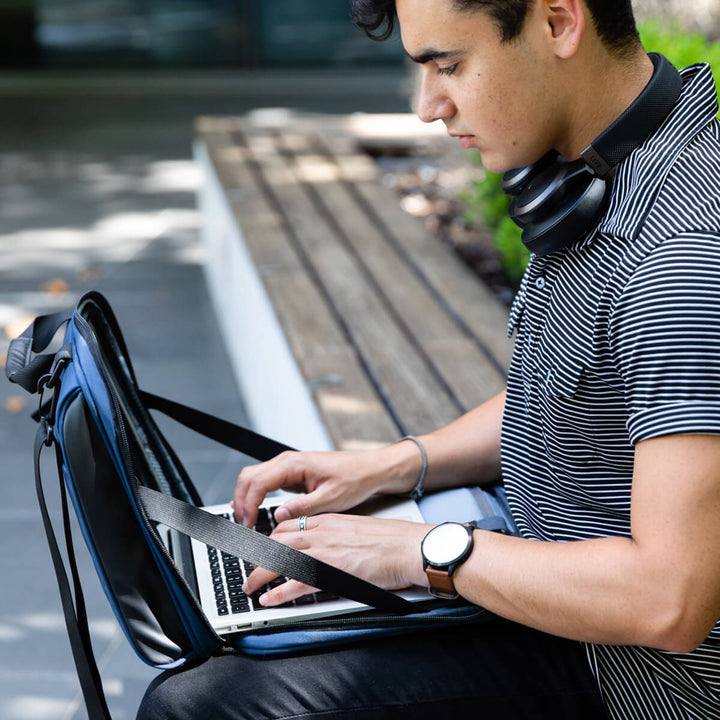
(444, 549)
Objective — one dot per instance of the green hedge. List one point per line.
(484, 199)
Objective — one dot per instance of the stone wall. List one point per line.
(698, 15)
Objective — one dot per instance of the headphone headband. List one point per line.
(638, 122)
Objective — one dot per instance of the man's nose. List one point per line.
(432, 102)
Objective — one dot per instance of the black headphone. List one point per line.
(556, 202)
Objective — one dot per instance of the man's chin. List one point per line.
(495, 163)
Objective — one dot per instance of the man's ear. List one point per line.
(566, 25)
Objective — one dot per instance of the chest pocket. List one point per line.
(565, 420)
(561, 380)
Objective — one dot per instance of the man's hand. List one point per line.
(326, 481)
(383, 552)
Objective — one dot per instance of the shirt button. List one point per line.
(540, 283)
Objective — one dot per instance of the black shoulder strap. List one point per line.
(234, 436)
(74, 612)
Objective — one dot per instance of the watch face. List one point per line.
(446, 544)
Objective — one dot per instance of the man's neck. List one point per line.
(605, 90)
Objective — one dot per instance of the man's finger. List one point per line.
(284, 593)
(303, 505)
(257, 579)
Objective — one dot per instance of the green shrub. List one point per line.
(486, 202)
(680, 47)
(484, 199)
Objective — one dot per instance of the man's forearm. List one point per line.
(467, 451)
(601, 591)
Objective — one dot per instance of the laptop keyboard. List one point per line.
(230, 572)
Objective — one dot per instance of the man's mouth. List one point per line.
(465, 140)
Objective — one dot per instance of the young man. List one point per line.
(607, 438)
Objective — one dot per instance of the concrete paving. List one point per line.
(98, 191)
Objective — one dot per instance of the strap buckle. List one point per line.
(63, 358)
(46, 410)
(51, 381)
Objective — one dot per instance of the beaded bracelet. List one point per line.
(417, 492)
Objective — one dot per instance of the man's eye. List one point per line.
(447, 70)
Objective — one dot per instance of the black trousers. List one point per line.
(494, 669)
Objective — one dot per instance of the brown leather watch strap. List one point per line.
(441, 584)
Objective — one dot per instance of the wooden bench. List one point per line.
(348, 324)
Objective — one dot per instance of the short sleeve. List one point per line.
(665, 339)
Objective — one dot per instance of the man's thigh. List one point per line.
(492, 669)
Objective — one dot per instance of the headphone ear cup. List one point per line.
(540, 196)
(558, 206)
(515, 181)
(576, 216)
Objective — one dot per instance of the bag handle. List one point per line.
(21, 367)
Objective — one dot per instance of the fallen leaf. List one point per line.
(15, 404)
(55, 286)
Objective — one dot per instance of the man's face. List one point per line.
(496, 97)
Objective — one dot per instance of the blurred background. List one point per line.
(183, 33)
(97, 190)
(223, 33)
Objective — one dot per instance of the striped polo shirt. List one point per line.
(618, 341)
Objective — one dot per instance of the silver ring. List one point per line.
(302, 523)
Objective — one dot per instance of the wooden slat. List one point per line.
(353, 413)
(403, 378)
(451, 278)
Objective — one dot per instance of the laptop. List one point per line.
(216, 577)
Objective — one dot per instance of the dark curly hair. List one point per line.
(613, 19)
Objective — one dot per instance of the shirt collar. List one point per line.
(641, 176)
